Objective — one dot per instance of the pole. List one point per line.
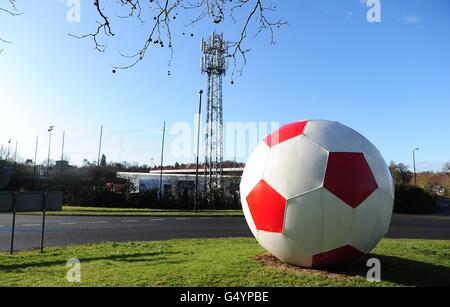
(162, 161)
(35, 156)
(9, 147)
(62, 150)
(44, 211)
(15, 158)
(49, 144)
(15, 154)
(100, 145)
(11, 251)
(198, 150)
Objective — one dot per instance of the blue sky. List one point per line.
(388, 80)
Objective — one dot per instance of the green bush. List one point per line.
(409, 199)
(447, 192)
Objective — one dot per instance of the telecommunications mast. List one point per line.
(214, 64)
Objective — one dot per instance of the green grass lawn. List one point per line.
(94, 211)
(217, 262)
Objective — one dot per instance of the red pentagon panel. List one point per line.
(285, 133)
(335, 257)
(349, 177)
(267, 207)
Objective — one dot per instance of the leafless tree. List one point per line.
(400, 173)
(10, 9)
(447, 167)
(251, 17)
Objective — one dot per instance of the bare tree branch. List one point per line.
(258, 12)
(164, 12)
(10, 9)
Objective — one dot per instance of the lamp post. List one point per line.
(162, 163)
(414, 162)
(9, 148)
(15, 158)
(35, 156)
(100, 146)
(198, 150)
(62, 148)
(50, 129)
(15, 155)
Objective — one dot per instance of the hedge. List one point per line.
(410, 199)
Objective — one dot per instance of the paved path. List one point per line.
(65, 230)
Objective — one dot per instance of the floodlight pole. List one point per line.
(9, 148)
(49, 145)
(35, 156)
(62, 150)
(15, 155)
(198, 150)
(100, 146)
(162, 162)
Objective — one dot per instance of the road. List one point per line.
(65, 230)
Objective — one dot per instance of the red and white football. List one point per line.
(317, 194)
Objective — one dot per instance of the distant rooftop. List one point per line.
(238, 170)
(186, 172)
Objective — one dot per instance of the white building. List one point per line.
(174, 181)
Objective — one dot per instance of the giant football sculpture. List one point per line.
(317, 194)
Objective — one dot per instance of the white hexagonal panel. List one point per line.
(379, 168)
(283, 248)
(295, 167)
(334, 136)
(371, 221)
(318, 222)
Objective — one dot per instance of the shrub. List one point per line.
(409, 199)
